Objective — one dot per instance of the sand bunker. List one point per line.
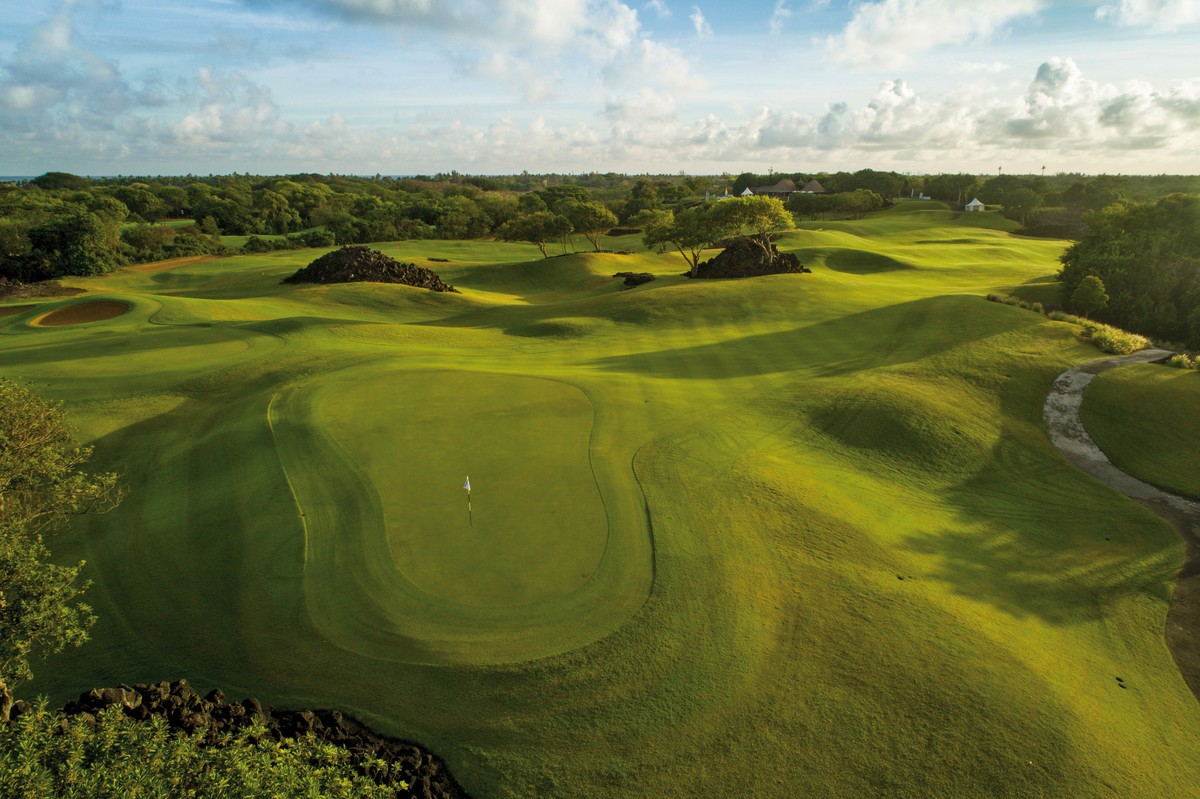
(13, 310)
(82, 312)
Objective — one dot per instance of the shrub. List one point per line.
(112, 755)
(1115, 341)
(1009, 299)
(1182, 360)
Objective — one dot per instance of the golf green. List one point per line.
(436, 579)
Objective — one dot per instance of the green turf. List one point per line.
(1144, 418)
(792, 536)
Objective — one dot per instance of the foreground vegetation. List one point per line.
(800, 535)
(115, 757)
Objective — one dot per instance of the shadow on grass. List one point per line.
(862, 262)
(1039, 539)
(881, 337)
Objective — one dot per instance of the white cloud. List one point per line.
(1063, 109)
(54, 70)
(659, 7)
(232, 110)
(781, 13)
(1166, 15)
(542, 47)
(994, 68)
(700, 24)
(887, 33)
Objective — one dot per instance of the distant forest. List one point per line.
(61, 224)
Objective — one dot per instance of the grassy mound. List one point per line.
(1144, 419)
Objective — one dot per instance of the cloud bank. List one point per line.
(634, 101)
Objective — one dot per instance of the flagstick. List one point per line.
(467, 488)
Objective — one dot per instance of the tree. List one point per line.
(77, 243)
(1148, 258)
(653, 222)
(762, 215)
(1020, 203)
(694, 230)
(531, 203)
(957, 189)
(41, 486)
(60, 180)
(1090, 296)
(536, 228)
(589, 218)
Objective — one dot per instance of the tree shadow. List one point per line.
(1040, 539)
(887, 336)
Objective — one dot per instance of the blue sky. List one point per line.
(420, 86)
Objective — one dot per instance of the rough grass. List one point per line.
(840, 557)
(1145, 419)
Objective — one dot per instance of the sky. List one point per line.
(170, 87)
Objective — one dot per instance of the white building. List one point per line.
(975, 205)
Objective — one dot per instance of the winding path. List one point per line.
(1067, 433)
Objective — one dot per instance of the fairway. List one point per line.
(791, 536)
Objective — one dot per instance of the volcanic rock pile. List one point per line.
(635, 278)
(744, 258)
(355, 263)
(211, 716)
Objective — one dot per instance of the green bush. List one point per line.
(1182, 360)
(1106, 338)
(1009, 299)
(1115, 341)
(113, 756)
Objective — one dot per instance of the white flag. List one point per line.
(467, 485)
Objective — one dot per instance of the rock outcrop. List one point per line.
(635, 278)
(358, 263)
(744, 258)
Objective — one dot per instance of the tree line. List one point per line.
(61, 224)
(1146, 259)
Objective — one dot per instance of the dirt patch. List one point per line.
(173, 263)
(1067, 433)
(13, 310)
(359, 264)
(81, 313)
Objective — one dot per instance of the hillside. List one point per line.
(797, 535)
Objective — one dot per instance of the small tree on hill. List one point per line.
(537, 229)
(762, 215)
(591, 219)
(692, 231)
(1089, 296)
(41, 486)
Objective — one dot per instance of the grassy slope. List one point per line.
(871, 574)
(1144, 419)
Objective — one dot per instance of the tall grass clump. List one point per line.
(1008, 299)
(1182, 360)
(1106, 338)
(1114, 340)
